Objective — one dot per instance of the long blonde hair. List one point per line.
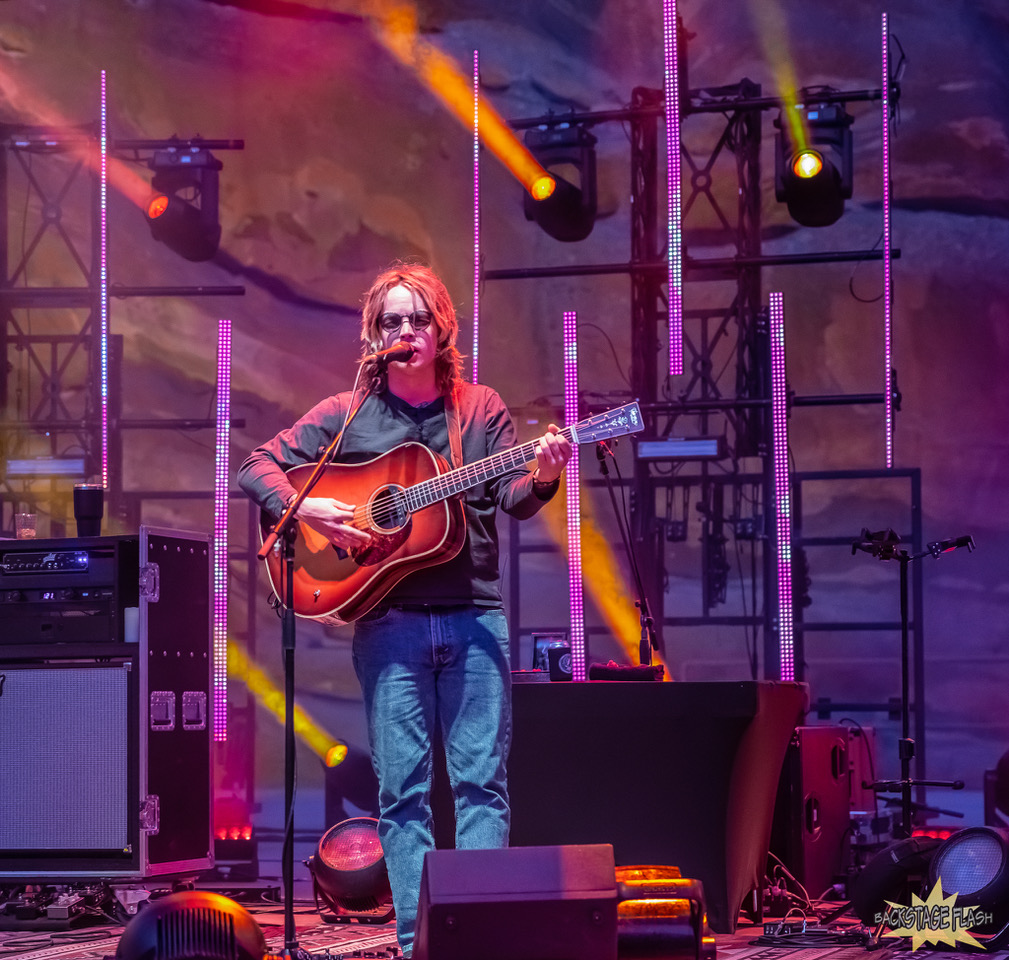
(423, 281)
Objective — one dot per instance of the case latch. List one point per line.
(150, 814)
(150, 582)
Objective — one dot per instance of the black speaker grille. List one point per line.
(196, 933)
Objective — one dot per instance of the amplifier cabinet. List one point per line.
(810, 830)
(105, 745)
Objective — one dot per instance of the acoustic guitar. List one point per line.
(408, 500)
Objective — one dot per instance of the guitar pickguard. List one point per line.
(382, 545)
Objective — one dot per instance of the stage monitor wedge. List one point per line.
(520, 903)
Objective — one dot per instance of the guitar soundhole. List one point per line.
(389, 525)
(387, 510)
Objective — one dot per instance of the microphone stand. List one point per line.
(647, 644)
(884, 546)
(285, 531)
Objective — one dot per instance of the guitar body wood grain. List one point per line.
(340, 587)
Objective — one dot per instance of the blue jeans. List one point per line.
(413, 665)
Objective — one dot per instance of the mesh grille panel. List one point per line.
(970, 864)
(63, 758)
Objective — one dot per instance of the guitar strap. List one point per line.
(454, 430)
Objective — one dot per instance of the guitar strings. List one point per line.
(444, 485)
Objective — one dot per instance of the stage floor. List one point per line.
(332, 940)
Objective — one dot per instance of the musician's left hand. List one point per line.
(552, 454)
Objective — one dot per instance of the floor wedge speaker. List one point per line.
(521, 903)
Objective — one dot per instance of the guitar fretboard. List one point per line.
(446, 485)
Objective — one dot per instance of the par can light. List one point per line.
(974, 864)
(349, 872)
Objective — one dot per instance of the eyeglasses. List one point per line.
(419, 320)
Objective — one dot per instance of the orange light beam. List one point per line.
(32, 107)
(395, 25)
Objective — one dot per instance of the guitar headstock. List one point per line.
(618, 422)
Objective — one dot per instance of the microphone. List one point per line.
(398, 351)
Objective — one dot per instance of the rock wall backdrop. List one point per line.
(350, 161)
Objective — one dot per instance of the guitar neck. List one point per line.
(448, 484)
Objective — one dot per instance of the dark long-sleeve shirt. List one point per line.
(386, 421)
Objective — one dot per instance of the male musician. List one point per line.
(436, 647)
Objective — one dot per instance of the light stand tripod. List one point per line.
(884, 546)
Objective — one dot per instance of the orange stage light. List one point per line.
(335, 755)
(543, 188)
(32, 107)
(157, 206)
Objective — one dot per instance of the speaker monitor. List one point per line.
(811, 816)
(520, 903)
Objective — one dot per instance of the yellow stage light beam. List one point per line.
(769, 20)
(602, 577)
(331, 750)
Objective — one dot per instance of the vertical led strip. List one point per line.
(782, 500)
(221, 485)
(674, 242)
(575, 589)
(476, 214)
(103, 287)
(887, 289)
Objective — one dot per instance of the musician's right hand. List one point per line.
(332, 518)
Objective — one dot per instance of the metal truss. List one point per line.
(50, 351)
(726, 387)
(50, 308)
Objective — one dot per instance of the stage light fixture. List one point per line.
(567, 153)
(892, 876)
(349, 872)
(974, 864)
(182, 211)
(813, 163)
(192, 924)
(660, 914)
